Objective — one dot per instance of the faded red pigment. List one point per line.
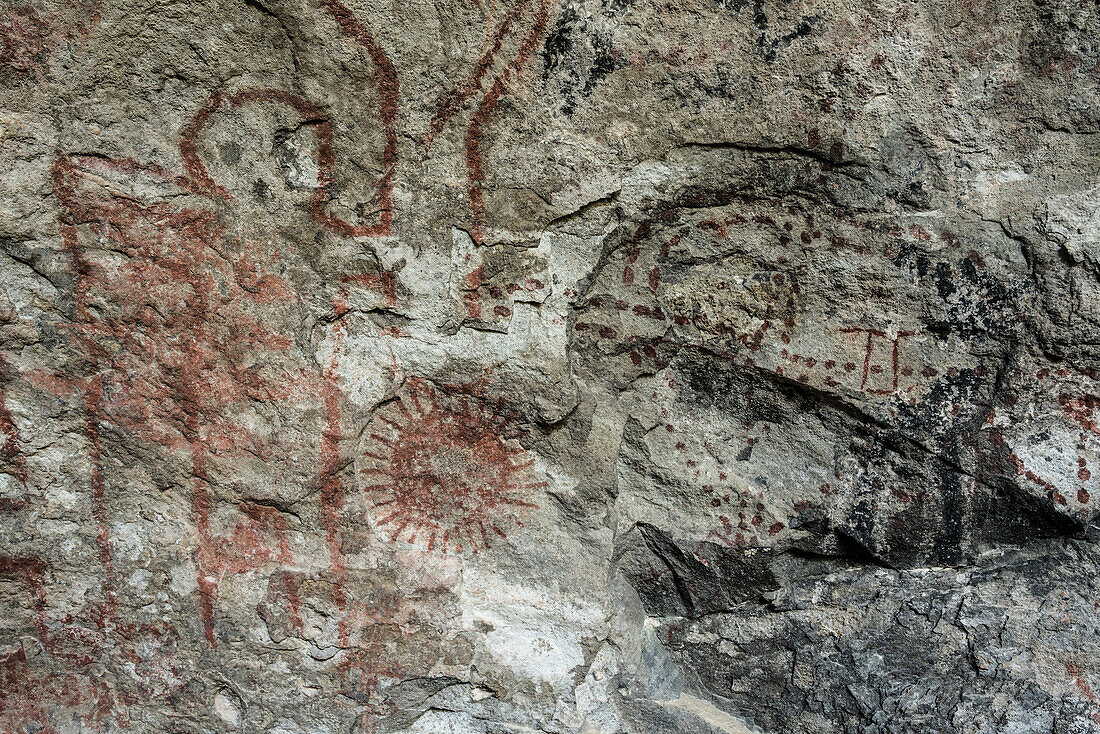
(27, 36)
(389, 93)
(332, 461)
(1080, 409)
(442, 470)
(10, 449)
(878, 365)
(1084, 689)
(332, 487)
(200, 178)
(872, 335)
(471, 85)
(184, 313)
(362, 632)
(29, 696)
(474, 159)
(182, 336)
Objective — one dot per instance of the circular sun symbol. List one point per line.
(443, 469)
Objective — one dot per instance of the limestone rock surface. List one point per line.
(593, 366)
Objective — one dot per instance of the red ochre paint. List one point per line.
(183, 331)
(441, 471)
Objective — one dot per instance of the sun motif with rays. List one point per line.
(443, 470)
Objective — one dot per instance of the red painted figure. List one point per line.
(526, 21)
(172, 316)
(440, 469)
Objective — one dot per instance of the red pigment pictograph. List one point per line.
(91, 391)
(1084, 689)
(472, 84)
(491, 302)
(444, 470)
(332, 460)
(173, 329)
(200, 179)
(74, 644)
(363, 633)
(872, 367)
(388, 93)
(1079, 409)
(876, 362)
(474, 161)
(168, 329)
(455, 100)
(11, 452)
(744, 520)
(28, 36)
(627, 314)
(23, 33)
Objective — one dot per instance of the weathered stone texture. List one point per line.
(560, 365)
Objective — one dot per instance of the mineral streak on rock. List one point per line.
(567, 366)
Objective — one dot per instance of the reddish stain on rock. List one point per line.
(332, 486)
(11, 452)
(258, 537)
(63, 678)
(28, 36)
(366, 635)
(172, 328)
(1080, 410)
(444, 470)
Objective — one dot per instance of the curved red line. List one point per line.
(388, 91)
(474, 161)
(457, 98)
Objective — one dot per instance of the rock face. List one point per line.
(549, 366)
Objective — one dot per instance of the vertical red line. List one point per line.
(388, 91)
(472, 83)
(867, 360)
(294, 600)
(332, 487)
(93, 390)
(200, 506)
(896, 339)
(474, 160)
